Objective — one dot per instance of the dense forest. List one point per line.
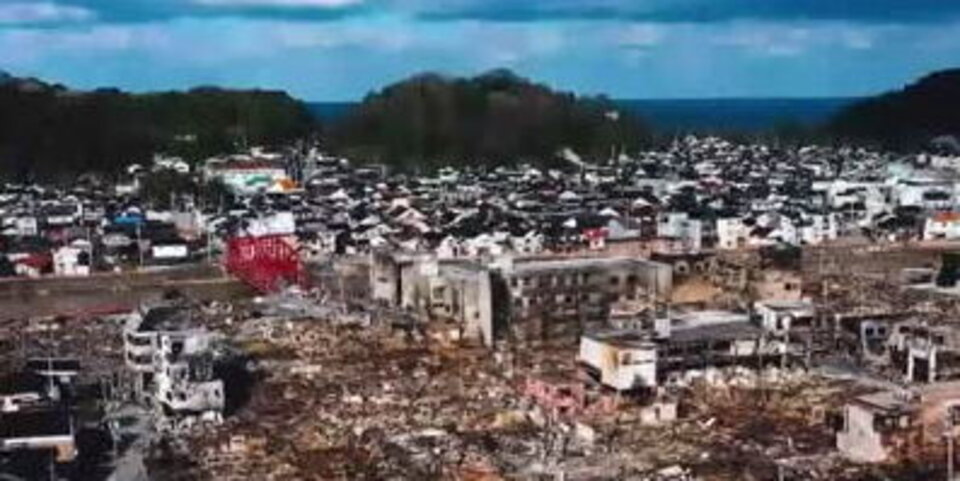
(49, 132)
(491, 119)
(906, 119)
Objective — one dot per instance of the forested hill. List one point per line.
(495, 118)
(49, 132)
(905, 119)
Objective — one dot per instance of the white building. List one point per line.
(777, 316)
(817, 229)
(732, 233)
(279, 223)
(679, 225)
(73, 259)
(248, 177)
(625, 360)
(943, 225)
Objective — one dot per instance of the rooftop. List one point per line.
(540, 265)
(33, 423)
(730, 331)
(622, 338)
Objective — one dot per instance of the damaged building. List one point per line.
(172, 358)
(35, 411)
(522, 298)
(900, 425)
(675, 348)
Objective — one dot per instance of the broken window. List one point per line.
(953, 415)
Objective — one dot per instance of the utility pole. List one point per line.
(140, 244)
(950, 447)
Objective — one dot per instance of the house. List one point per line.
(818, 228)
(169, 250)
(680, 226)
(624, 360)
(942, 226)
(780, 316)
(73, 259)
(900, 425)
(732, 233)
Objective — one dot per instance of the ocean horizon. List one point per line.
(689, 115)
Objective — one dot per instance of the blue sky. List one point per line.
(342, 49)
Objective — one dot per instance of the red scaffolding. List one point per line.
(265, 263)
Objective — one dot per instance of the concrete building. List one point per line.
(517, 298)
(680, 226)
(73, 259)
(33, 416)
(732, 233)
(675, 348)
(925, 353)
(942, 226)
(566, 297)
(623, 360)
(171, 356)
(900, 425)
(247, 177)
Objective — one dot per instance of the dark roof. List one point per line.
(728, 331)
(35, 423)
(54, 364)
(22, 382)
(163, 318)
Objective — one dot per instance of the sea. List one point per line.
(695, 115)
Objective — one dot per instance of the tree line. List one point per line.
(49, 132)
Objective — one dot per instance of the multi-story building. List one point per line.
(171, 356)
(519, 298)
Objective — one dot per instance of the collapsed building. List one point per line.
(171, 357)
(924, 353)
(35, 411)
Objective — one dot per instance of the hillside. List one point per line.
(904, 119)
(50, 132)
(491, 119)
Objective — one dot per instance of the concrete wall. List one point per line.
(49, 296)
(858, 441)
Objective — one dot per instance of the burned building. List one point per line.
(923, 352)
(566, 297)
(675, 348)
(522, 299)
(900, 425)
(171, 357)
(35, 416)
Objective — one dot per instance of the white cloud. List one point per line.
(280, 3)
(769, 40)
(857, 40)
(44, 12)
(640, 36)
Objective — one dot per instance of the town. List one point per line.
(709, 310)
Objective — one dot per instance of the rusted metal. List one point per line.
(265, 263)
